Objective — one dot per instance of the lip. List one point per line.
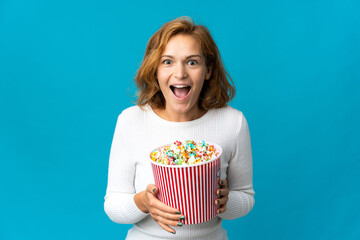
(182, 98)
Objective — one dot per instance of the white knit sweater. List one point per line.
(139, 131)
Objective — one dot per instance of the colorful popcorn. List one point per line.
(184, 153)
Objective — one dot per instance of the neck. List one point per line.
(168, 115)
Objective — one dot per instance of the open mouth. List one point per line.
(180, 91)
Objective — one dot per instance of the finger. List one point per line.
(222, 192)
(151, 188)
(168, 222)
(159, 208)
(221, 201)
(166, 228)
(165, 215)
(223, 183)
(221, 209)
(155, 203)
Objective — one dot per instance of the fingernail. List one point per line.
(182, 218)
(219, 192)
(219, 211)
(221, 182)
(217, 201)
(179, 224)
(154, 190)
(173, 232)
(177, 212)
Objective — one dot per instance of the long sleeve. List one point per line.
(239, 176)
(119, 200)
(138, 131)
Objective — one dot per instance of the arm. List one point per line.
(122, 204)
(239, 176)
(119, 200)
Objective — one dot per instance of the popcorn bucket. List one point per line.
(190, 188)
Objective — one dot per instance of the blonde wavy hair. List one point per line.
(216, 92)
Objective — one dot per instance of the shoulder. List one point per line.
(132, 114)
(133, 110)
(229, 113)
(227, 109)
(231, 117)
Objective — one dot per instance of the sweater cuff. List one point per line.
(239, 204)
(136, 211)
(121, 208)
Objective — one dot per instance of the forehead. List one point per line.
(182, 44)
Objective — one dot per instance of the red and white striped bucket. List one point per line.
(190, 188)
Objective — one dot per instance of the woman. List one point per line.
(183, 94)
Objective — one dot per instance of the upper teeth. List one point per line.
(180, 86)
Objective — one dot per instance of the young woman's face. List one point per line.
(181, 75)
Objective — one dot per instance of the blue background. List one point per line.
(66, 71)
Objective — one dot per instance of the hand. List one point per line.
(223, 193)
(164, 215)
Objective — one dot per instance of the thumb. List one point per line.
(152, 189)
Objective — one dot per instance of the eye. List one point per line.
(192, 62)
(167, 61)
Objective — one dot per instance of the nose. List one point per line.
(180, 71)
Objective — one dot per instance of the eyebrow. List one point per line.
(190, 56)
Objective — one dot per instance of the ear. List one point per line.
(208, 73)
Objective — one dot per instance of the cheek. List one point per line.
(163, 85)
(199, 77)
(162, 74)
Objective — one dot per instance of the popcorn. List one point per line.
(184, 153)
